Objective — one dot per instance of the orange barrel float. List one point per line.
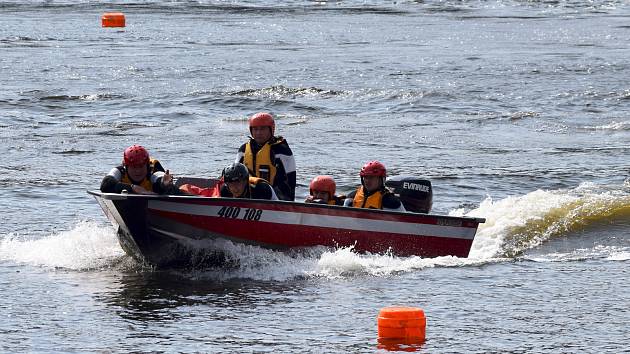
(113, 19)
(403, 324)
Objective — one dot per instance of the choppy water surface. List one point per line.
(517, 111)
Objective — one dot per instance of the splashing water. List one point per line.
(611, 253)
(87, 246)
(515, 224)
(612, 126)
(620, 256)
(345, 262)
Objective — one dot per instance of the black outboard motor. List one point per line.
(415, 193)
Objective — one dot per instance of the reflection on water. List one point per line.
(159, 296)
(399, 345)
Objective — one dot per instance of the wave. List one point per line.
(22, 41)
(612, 126)
(284, 95)
(252, 262)
(36, 98)
(283, 91)
(86, 247)
(516, 224)
(619, 255)
(611, 253)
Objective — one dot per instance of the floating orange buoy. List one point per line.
(407, 324)
(113, 19)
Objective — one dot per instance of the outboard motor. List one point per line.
(416, 194)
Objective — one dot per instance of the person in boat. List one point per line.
(268, 156)
(239, 184)
(139, 174)
(372, 192)
(322, 190)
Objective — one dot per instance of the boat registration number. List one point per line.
(449, 222)
(235, 212)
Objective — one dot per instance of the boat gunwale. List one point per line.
(117, 196)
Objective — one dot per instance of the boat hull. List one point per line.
(180, 230)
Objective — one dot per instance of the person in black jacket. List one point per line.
(238, 184)
(269, 157)
(139, 174)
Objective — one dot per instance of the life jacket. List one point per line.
(336, 200)
(373, 201)
(146, 182)
(332, 201)
(214, 191)
(261, 164)
(253, 181)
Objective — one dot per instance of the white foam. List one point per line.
(615, 126)
(253, 262)
(614, 253)
(517, 223)
(343, 262)
(262, 264)
(507, 216)
(87, 246)
(619, 256)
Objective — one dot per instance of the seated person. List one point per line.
(238, 184)
(372, 192)
(138, 174)
(268, 156)
(323, 191)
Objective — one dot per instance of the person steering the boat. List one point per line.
(322, 190)
(269, 157)
(139, 174)
(239, 184)
(372, 192)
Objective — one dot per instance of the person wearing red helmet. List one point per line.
(268, 156)
(372, 193)
(322, 190)
(139, 174)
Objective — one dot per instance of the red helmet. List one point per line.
(262, 119)
(135, 155)
(373, 168)
(323, 184)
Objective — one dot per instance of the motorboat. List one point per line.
(174, 230)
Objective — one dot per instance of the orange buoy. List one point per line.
(113, 19)
(406, 324)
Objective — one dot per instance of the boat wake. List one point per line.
(88, 246)
(611, 253)
(518, 224)
(590, 219)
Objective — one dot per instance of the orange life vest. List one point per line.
(373, 201)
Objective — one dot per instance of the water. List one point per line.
(517, 111)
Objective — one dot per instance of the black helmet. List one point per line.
(235, 172)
